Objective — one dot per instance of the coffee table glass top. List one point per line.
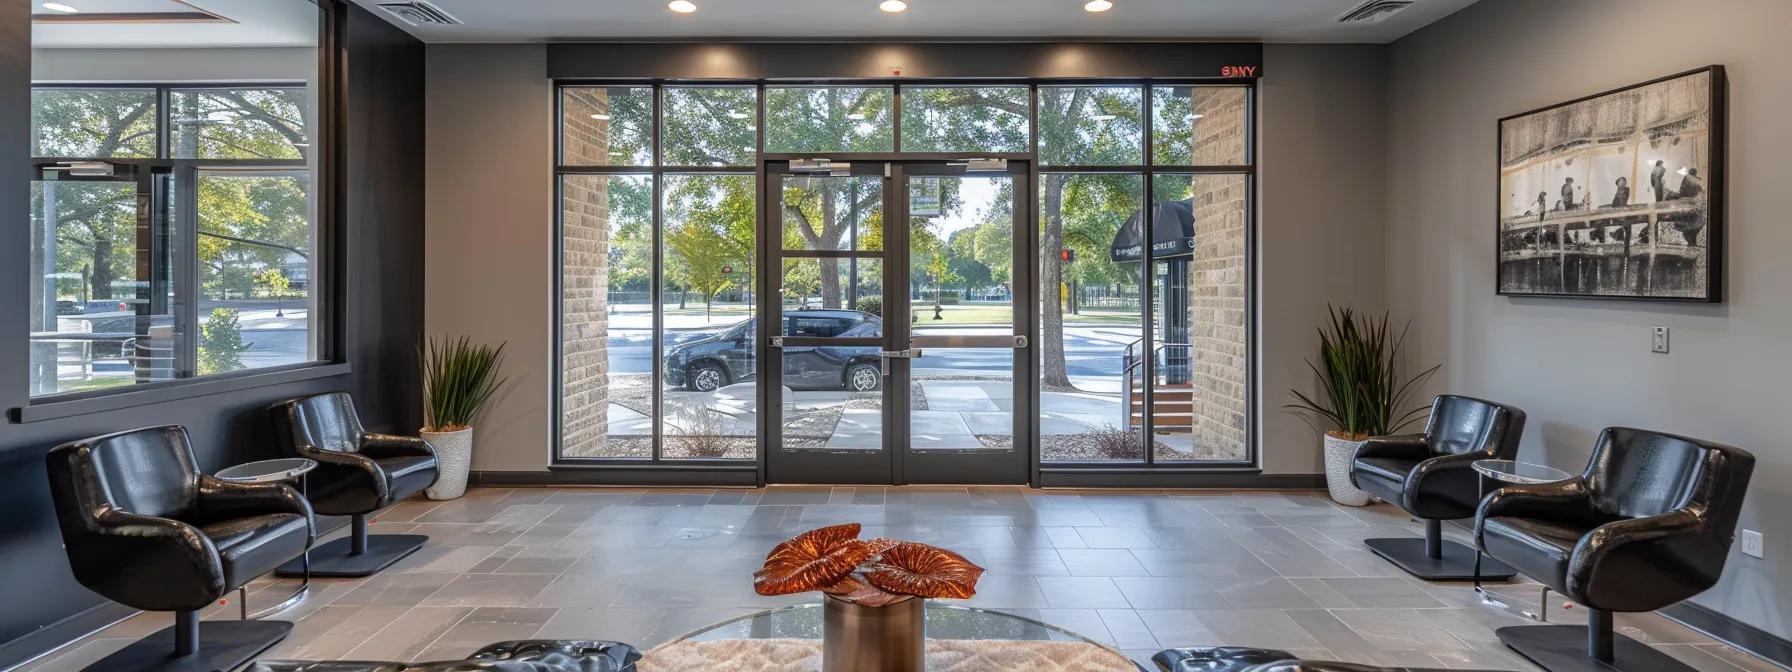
(1513, 471)
(943, 622)
(267, 471)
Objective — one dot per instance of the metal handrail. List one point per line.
(1129, 365)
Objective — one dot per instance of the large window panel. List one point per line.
(104, 123)
(1198, 320)
(708, 343)
(254, 270)
(606, 316)
(829, 119)
(606, 125)
(1092, 350)
(710, 126)
(1091, 126)
(833, 213)
(964, 119)
(1200, 125)
(259, 123)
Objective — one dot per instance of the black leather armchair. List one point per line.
(358, 473)
(144, 528)
(1428, 475)
(1648, 524)
(532, 655)
(1244, 659)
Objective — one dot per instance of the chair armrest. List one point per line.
(1559, 499)
(1397, 446)
(146, 562)
(391, 445)
(1651, 540)
(227, 500)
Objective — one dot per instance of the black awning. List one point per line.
(1172, 233)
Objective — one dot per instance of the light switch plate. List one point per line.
(1659, 341)
(1751, 544)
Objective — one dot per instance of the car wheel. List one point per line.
(706, 377)
(863, 377)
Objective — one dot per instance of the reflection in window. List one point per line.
(1091, 320)
(606, 126)
(829, 119)
(1090, 126)
(1199, 125)
(264, 123)
(254, 269)
(606, 316)
(93, 123)
(710, 126)
(962, 119)
(707, 292)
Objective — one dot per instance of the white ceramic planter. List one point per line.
(1338, 455)
(454, 457)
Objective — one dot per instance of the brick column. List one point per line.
(1217, 276)
(584, 279)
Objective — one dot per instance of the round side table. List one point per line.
(1515, 473)
(273, 471)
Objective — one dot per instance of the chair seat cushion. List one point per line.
(407, 475)
(253, 546)
(1537, 548)
(1383, 477)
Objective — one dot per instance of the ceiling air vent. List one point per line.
(419, 13)
(1374, 11)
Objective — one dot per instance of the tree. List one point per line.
(221, 343)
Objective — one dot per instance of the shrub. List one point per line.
(221, 343)
(872, 304)
(1115, 443)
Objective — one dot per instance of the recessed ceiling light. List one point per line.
(856, 116)
(59, 7)
(1102, 117)
(737, 114)
(1196, 116)
(1098, 6)
(601, 116)
(893, 6)
(682, 6)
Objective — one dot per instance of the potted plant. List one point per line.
(1362, 393)
(459, 377)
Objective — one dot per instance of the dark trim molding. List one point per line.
(643, 475)
(51, 638)
(156, 393)
(1731, 631)
(904, 60)
(1160, 477)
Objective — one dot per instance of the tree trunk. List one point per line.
(102, 267)
(682, 295)
(1051, 280)
(830, 237)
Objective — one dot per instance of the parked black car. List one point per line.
(726, 358)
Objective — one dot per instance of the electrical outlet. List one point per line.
(1659, 343)
(1751, 544)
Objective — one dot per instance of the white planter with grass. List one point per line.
(1339, 453)
(458, 379)
(454, 458)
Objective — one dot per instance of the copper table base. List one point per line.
(857, 638)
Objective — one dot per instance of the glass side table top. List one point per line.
(268, 471)
(1513, 471)
(944, 622)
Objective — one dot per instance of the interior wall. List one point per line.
(490, 251)
(1577, 366)
(44, 605)
(490, 195)
(247, 64)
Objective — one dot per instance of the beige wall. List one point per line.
(491, 205)
(1577, 366)
(489, 223)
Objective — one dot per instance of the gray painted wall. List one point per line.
(248, 64)
(489, 255)
(490, 218)
(1577, 365)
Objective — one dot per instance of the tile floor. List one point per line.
(1141, 570)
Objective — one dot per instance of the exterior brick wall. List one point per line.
(584, 300)
(1217, 276)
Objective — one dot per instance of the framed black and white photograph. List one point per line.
(1616, 195)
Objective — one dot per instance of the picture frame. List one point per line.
(1616, 195)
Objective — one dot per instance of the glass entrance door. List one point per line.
(897, 355)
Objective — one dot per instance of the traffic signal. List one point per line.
(1067, 255)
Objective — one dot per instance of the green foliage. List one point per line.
(221, 343)
(459, 377)
(1362, 390)
(872, 304)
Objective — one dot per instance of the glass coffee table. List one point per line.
(789, 638)
(273, 471)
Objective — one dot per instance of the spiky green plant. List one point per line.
(1361, 390)
(459, 377)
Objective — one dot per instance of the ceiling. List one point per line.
(144, 24)
(1244, 20)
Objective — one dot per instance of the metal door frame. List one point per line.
(894, 463)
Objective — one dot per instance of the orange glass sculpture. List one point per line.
(874, 573)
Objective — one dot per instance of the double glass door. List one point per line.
(893, 361)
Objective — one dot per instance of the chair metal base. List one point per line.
(337, 560)
(1457, 561)
(223, 645)
(1563, 648)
